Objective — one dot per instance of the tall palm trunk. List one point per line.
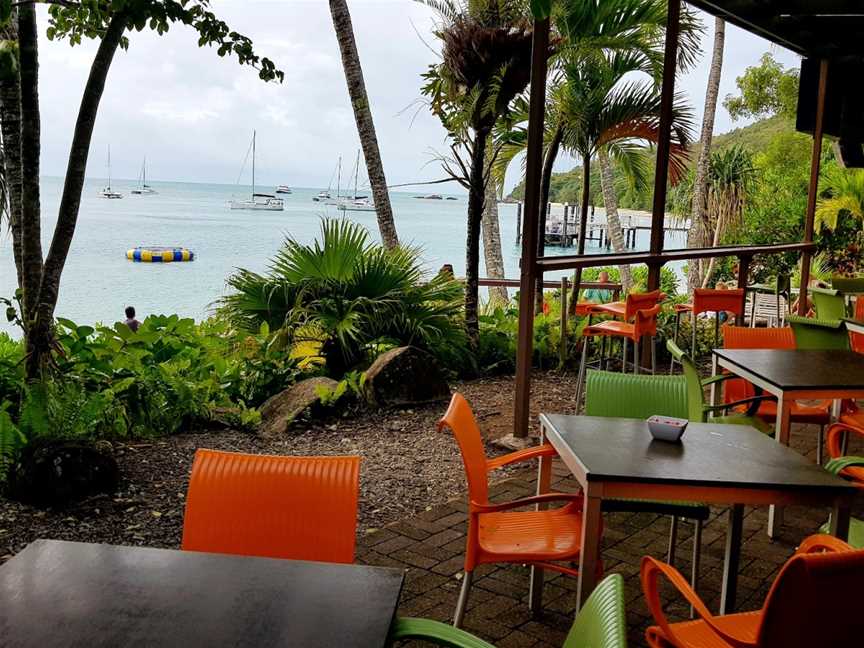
(613, 220)
(31, 233)
(39, 329)
(545, 185)
(363, 117)
(699, 231)
(492, 243)
(476, 200)
(583, 227)
(10, 128)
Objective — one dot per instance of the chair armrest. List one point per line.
(822, 543)
(718, 378)
(744, 401)
(545, 450)
(440, 634)
(650, 571)
(834, 438)
(545, 498)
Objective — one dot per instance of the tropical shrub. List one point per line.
(345, 299)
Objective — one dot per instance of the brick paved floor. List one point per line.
(431, 545)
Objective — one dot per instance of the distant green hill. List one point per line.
(565, 186)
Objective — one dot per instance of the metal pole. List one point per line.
(661, 175)
(815, 162)
(528, 270)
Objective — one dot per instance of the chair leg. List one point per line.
(753, 311)
(624, 355)
(697, 556)
(821, 442)
(673, 540)
(716, 329)
(636, 356)
(844, 443)
(581, 377)
(603, 352)
(653, 355)
(693, 319)
(675, 338)
(467, 577)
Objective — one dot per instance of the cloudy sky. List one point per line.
(192, 113)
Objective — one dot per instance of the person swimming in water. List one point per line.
(131, 322)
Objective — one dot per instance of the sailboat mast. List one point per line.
(339, 178)
(144, 172)
(109, 167)
(356, 173)
(253, 165)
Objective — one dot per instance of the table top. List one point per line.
(789, 369)
(713, 455)
(74, 594)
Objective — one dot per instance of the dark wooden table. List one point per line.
(73, 594)
(717, 464)
(791, 375)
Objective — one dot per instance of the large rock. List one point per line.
(405, 376)
(279, 411)
(54, 474)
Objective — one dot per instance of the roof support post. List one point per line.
(661, 175)
(815, 162)
(528, 269)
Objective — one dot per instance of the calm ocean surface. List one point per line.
(98, 281)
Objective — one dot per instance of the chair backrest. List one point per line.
(460, 419)
(695, 394)
(742, 337)
(815, 602)
(303, 508)
(848, 285)
(602, 621)
(635, 396)
(713, 300)
(645, 322)
(766, 309)
(819, 334)
(640, 301)
(829, 304)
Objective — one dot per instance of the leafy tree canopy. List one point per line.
(74, 20)
(764, 90)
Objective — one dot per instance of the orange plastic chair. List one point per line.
(812, 602)
(857, 339)
(496, 533)
(628, 308)
(836, 440)
(736, 389)
(303, 508)
(644, 324)
(708, 300)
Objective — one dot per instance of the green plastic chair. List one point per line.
(699, 410)
(817, 334)
(601, 623)
(856, 526)
(639, 396)
(848, 285)
(829, 304)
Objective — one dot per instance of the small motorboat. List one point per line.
(283, 189)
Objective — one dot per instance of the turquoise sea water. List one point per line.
(98, 281)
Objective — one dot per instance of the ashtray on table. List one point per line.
(667, 428)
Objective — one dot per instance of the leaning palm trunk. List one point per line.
(613, 220)
(363, 117)
(492, 243)
(10, 128)
(699, 226)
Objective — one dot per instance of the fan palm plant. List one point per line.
(349, 297)
(843, 195)
(485, 64)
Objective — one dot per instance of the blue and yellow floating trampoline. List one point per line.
(159, 254)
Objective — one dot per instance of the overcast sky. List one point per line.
(192, 113)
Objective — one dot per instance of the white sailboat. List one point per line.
(258, 201)
(284, 189)
(143, 189)
(325, 196)
(107, 191)
(355, 202)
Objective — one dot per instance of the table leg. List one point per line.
(840, 522)
(732, 558)
(590, 554)
(715, 370)
(544, 481)
(782, 432)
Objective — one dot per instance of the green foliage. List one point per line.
(352, 386)
(89, 19)
(766, 90)
(639, 274)
(345, 298)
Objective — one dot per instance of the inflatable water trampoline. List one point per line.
(159, 254)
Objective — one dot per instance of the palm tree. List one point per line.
(363, 117)
(843, 195)
(485, 64)
(698, 226)
(730, 180)
(492, 242)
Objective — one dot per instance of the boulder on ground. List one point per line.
(54, 474)
(279, 411)
(405, 376)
